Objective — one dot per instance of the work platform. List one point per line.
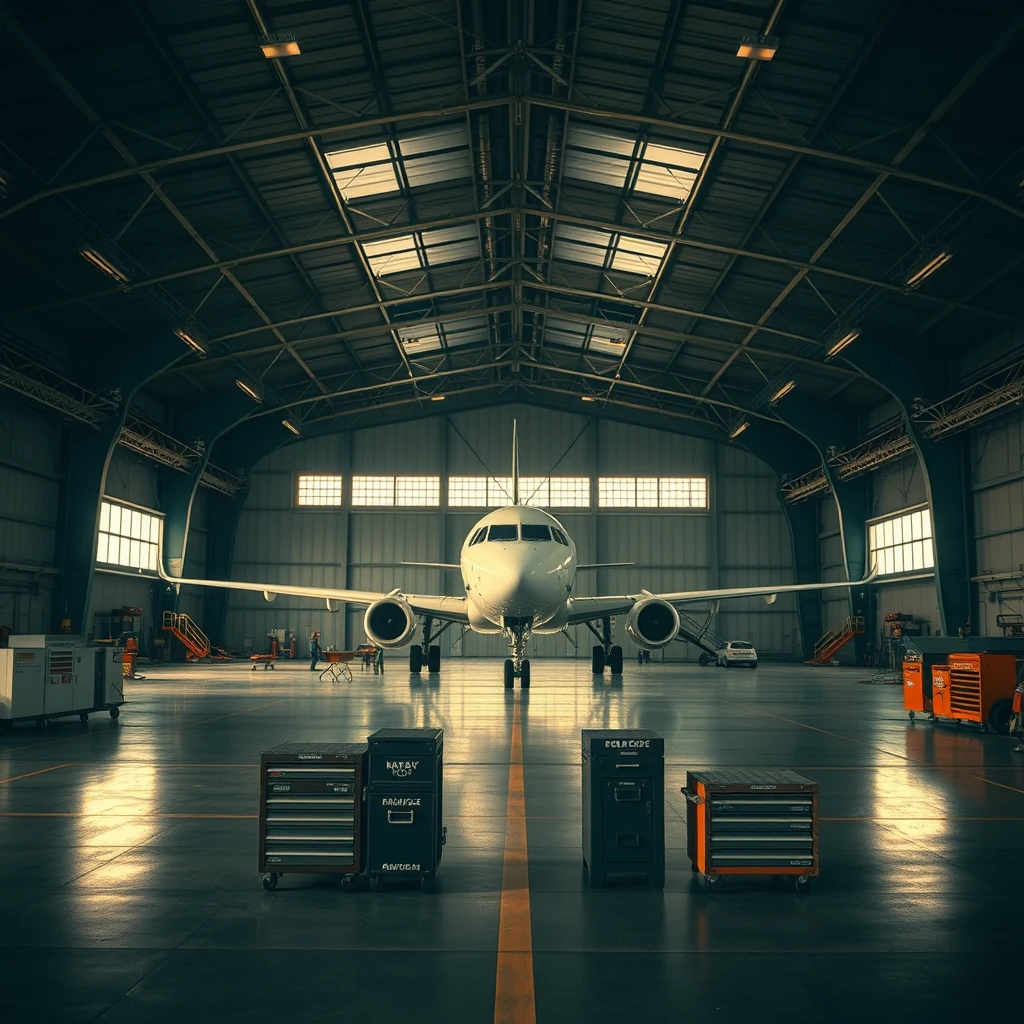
(129, 888)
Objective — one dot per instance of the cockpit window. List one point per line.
(559, 536)
(533, 532)
(505, 533)
(478, 536)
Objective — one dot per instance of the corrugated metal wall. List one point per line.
(744, 538)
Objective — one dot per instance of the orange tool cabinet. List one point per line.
(752, 823)
(975, 688)
(916, 695)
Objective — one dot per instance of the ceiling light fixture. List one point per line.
(437, 398)
(193, 341)
(587, 398)
(249, 390)
(848, 338)
(111, 269)
(279, 44)
(939, 260)
(758, 47)
(783, 391)
(738, 429)
(288, 425)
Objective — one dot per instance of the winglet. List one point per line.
(515, 463)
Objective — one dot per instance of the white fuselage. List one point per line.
(518, 563)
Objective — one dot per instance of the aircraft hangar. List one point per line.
(486, 349)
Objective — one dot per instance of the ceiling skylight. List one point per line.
(604, 158)
(604, 338)
(423, 249)
(602, 249)
(422, 336)
(438, 156)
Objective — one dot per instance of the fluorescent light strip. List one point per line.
(758, 47)
(783, 391)
(102, 263)
(288, 425)
(194, 343)
(738, 429)
(279, 44)
(249, 390)
(847, 339)
(929, 268)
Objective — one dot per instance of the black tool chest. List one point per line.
(311, 810)
(623, 804)
(404, 805)
(752, 823)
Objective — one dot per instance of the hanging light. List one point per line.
(939, 260)
(288, 425)
(101, 262)
(782, 391)
(193, 341)
(758, 47)
(249, 389)
(848, 338)
(587, 398)
(738, 429)
(279, 44)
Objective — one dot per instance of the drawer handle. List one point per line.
(629, 764)
(400, 817)
(631, 795)
(631, 839)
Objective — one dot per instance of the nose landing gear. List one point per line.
(518, 666)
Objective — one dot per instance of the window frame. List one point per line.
(298, 475)
(888, 539)
(653, 495)
(136, 543)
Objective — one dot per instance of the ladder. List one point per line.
(194, 640)
(834, 639)
(697, 633)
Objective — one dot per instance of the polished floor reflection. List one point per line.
(128, 888)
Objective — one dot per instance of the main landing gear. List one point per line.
(517, 632)
(606, 655)
(428, 647)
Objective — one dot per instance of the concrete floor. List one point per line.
(128, 889)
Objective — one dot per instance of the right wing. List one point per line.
(448, 608)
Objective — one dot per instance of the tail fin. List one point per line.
(515, 463)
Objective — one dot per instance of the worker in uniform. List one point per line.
(315, 654)
(378, 662)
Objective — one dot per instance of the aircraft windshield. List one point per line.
(505, 533)
(532, 532)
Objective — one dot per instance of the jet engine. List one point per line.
(389, 622)
(652, 623)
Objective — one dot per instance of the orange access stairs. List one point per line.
(194, 640)
(827, 647)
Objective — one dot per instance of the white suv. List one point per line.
(736, 652)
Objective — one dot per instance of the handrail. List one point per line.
(853, 625)
(184, 628)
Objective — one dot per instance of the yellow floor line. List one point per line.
(28, 775)
(514, 1001)
(1001, 785)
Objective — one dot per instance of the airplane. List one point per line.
(518, 567)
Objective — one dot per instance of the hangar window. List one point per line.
(318, 489)
(652, 492)
(555, 491)
(606, 158)
(401, 491)
(603, 338)
(604, 249)
(423, 249)
(427, 159)
(479, 491)
(902, 543)
(127, 537)
(422, 336)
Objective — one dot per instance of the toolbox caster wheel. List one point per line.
(984, 727)
(910, 715)
(802, 885)
(270, 881)
(42, 723)
(375, 883)
(346, 883)
(115, 712)
(713, 883)
(83, 717)
(426, 884)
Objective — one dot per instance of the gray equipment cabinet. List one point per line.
(404, 805)
(623, 804)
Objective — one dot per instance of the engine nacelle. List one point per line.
(652, 624)
(389, 622)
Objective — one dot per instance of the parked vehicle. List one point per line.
(736, 652)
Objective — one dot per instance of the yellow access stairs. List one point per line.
(826, 648)
(193, 639)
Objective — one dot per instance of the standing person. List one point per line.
(315, 654)
(378, 662)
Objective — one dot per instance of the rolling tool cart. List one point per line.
(311, 810)
(623, 804)
(977, 688)
(752, 823)
(404, 805)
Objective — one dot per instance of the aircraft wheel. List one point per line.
(702, 660)
(510, 674)
(415, 658)
(615, 661)
(524, 676)
(597, 661)
(434, 658)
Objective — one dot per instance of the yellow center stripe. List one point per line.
(40, 771)
(513, 991)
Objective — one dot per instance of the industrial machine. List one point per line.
(53, 676)
(752, 823)
(976, 688)
(404, 805)
(311, 818)
(623, 804)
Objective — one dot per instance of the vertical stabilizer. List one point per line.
(515, 463)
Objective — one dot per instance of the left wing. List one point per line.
(582, 609)
(447, 608)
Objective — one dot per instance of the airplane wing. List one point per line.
(446, 608)
(582, 609)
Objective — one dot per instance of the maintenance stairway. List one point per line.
(193, 639)
(694, 632)
(826, 648)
